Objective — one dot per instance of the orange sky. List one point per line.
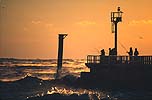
(30, 28)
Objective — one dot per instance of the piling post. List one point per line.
(60, 54)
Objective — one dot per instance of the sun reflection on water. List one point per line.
(69, 91)
(66, 91)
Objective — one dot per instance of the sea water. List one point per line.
(30, 79)
(14, 69)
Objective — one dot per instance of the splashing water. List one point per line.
(92, 94)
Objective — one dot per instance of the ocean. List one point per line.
(33, 79)
(12, 69)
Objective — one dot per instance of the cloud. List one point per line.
(48, 25)
(86, 23)
(36, 22)
(136, 22)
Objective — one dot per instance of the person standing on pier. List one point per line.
(130, 54)
(136, 53)
(102, 52)
(102, 57)
(109, 51)
(112, 55)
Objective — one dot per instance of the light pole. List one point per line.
(116, 17)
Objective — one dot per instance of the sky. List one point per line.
(30, 28)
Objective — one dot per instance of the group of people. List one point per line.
(136, 53)
(113, 58)
(111, 52)
(114, 52)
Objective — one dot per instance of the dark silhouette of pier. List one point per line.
(132, 71)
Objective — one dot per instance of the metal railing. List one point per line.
(119, 59)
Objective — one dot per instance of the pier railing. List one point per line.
(119, 59)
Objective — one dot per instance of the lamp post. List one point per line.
(116, 17)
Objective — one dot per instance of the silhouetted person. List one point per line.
(130, 54)
(102, 57)
(110, 55)
(102, 52)
(109, 51)
(113, 51)
(136, 53)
